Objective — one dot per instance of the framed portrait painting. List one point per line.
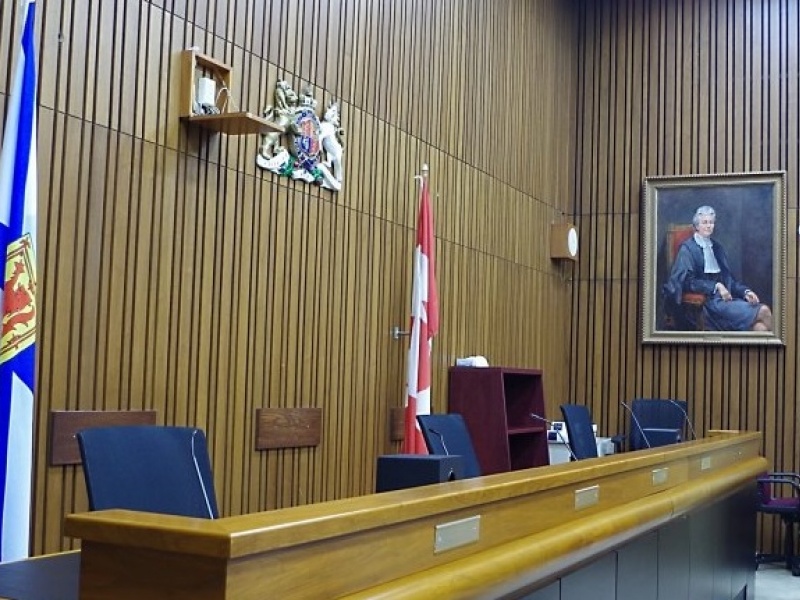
(714, 259)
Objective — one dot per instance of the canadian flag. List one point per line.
(424, 325)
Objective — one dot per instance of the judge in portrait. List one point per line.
(701, 266)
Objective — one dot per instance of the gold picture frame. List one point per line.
(749, 237)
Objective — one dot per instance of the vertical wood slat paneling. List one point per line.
(707, 87)
(176, 276)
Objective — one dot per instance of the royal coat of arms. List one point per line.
(313, 149)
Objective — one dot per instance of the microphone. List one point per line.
(200, 477)
(558, 433)
(441, 439)
(685, 416)
(638, 425)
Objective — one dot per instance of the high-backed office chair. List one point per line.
(779, 494)
(448, 434)
(657, 422)
(582, 441)
(148, 468)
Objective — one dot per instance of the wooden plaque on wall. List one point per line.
(287, 427)
(64, 424)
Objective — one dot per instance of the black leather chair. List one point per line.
(582, 441)
(656, 422)
(779, 494)
(148, 468)
(448, 434)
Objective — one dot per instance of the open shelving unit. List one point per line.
(196, 65)
(496, 403)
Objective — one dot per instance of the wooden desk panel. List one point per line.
(52, 577)
(528, 526)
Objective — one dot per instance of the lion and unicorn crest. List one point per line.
(313, 148)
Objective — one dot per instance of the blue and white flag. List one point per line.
(18, 342)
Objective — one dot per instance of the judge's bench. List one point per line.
(671, 522)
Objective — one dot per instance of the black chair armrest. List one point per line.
(782, 479)
(792, 476)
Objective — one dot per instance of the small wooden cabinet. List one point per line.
(497, 403)
(227, 120)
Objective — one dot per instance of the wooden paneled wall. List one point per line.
(175, 276)
(699, 86)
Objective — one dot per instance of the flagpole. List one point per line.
(397, 332)
(424, 323)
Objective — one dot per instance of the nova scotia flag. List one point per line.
(18, 341)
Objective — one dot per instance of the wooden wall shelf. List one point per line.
(236, 123)
(196, 65)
